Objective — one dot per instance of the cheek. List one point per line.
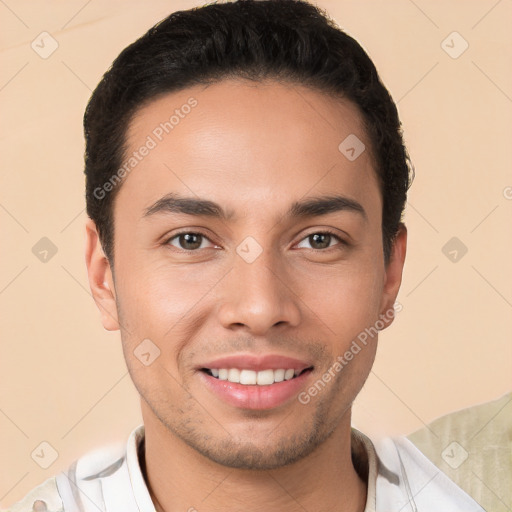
(346, 298)
(157, 298)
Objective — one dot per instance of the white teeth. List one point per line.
(265, 377)
(251, 377)
(234, 375)
(278, 375)
(288, 374)
(248, 377)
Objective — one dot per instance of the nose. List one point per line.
(258, 295)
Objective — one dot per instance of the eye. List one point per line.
(322, 240)
(188, 241)
(191, 241)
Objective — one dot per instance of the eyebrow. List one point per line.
(310, 207)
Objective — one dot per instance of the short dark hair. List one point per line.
(285, 40)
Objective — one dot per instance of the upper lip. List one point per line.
(256, 362)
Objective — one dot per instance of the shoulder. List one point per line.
(81, 486)
(472, 447)
(408, 481)
(402, 479)
(46, 492)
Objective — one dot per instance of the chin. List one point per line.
(248, 456)
(246, 453)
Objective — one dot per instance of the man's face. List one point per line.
(262, 289)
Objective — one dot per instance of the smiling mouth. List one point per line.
(252, 377)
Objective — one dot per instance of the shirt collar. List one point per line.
(363, 455)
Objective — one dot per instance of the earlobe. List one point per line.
(393, 276)
(100, 278)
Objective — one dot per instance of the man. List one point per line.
(246, 178)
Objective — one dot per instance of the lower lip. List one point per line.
(255, 397)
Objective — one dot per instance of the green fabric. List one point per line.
(473, 447)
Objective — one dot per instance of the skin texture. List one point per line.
(254, 148)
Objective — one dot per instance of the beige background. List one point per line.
(63, 378)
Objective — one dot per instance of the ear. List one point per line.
(101, 281)
(393, 276)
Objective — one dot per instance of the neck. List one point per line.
(179, 478)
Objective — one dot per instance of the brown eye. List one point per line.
(322, 240)
(188, 241)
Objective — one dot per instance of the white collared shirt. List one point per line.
(110, 479)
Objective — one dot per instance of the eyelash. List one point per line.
(342, 242)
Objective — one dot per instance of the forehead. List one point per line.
(247, 145)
